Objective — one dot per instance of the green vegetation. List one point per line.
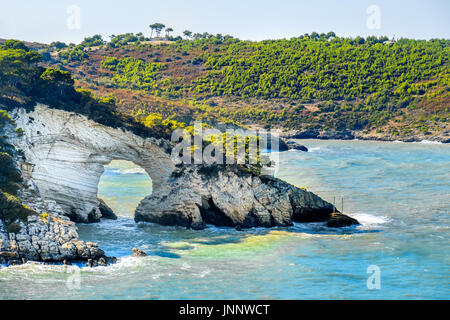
(157, 27)
(9, 175)
(134, 72)
(316, 81)
(24, 82)
(305, 69)
(15, 45)
(58, 45)
(12, 211)
(73, 54)
(125, 39)
(356, 83)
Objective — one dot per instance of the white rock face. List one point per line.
(66, 154)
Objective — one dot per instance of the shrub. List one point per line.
(12, 211)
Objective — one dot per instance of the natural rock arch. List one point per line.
(64, 158)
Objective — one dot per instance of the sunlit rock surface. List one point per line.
(65, 154)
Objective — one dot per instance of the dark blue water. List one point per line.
(399, 192)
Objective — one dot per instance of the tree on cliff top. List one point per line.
(168, 31)
(188, 34)
(157, 27)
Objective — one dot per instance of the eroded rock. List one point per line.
(338, 220)
(232, 197)
(106, 211)
(64, 156)
(46, 238)
(294, 145)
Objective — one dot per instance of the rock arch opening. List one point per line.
(122, 187)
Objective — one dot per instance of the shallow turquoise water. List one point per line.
(123, 185)
(398, 191)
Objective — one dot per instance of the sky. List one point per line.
(72, 20)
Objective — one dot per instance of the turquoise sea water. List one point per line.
(399, 192)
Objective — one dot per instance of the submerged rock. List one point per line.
(102, 262)
(338, 220)
(282, 144)
(138, 253)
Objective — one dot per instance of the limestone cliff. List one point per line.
(65, 153)
(64, 156)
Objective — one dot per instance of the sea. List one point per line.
(399, 192)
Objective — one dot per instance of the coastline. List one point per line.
(358, 135)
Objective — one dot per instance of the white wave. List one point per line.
(370, 220)
(127, 264)
(133, 171)
(314, 149)
(185, 266)
(203, 273)
(429, 142)
(36, 268)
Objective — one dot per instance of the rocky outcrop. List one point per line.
(46, 235)
(416, 136)
(318, 134)
(281, 144)
(138, 253)
(340, 220)
(106, 211)
(294, 145)
(46, 238)
(232, 197)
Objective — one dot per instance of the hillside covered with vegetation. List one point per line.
(317, 81)
(25, 81)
